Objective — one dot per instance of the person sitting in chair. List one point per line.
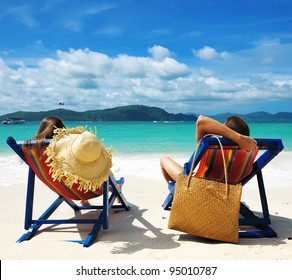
(49, 128)
(46, 131)
(234, 128)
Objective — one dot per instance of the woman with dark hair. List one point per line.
(47, 127)
(46, 131)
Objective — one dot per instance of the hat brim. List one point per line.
(64, 166)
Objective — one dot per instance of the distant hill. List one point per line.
(141, 113)
(258, 117)
(124, 113)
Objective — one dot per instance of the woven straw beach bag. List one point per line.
(206, 208)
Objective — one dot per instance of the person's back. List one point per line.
(234, 129)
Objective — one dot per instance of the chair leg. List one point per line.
(106, 208)
(102, 220)
(263, 196)
(91, 237)
(168, 201)
(263, 231)
(117, 193)
(260, 223)
(29, 199)
(36, 224)
(104, 215)
(73, 205)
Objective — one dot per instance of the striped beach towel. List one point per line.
(239, 164)
(36, 159)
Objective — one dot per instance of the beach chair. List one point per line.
(240, 169)
(37, 166)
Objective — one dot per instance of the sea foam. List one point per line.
(276, 174)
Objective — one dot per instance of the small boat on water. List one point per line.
(13, 121)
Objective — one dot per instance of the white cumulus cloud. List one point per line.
(209, 53)
(88, 80)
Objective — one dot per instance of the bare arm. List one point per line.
(206, 125)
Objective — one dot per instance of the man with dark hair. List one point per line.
(235, 129)
(237, 124)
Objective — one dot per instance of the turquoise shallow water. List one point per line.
(146, 137)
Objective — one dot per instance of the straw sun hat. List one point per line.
(76, 155)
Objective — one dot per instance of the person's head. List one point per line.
(47, 127)
(238, 124)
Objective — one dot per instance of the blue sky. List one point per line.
(190, 56)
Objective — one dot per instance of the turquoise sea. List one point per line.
(146, 137)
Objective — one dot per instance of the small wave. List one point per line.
(12, 171)
(276, 174)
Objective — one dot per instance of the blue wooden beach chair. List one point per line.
(255, 225)
(37, 166)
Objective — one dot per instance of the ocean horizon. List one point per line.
(145, 137)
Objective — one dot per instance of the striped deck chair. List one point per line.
(242, 167)
(35, 159)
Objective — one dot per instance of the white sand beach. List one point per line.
(142, 232)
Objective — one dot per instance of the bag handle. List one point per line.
(223, 157)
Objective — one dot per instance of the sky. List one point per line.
(189, 56)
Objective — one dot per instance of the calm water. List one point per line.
(146, 137)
